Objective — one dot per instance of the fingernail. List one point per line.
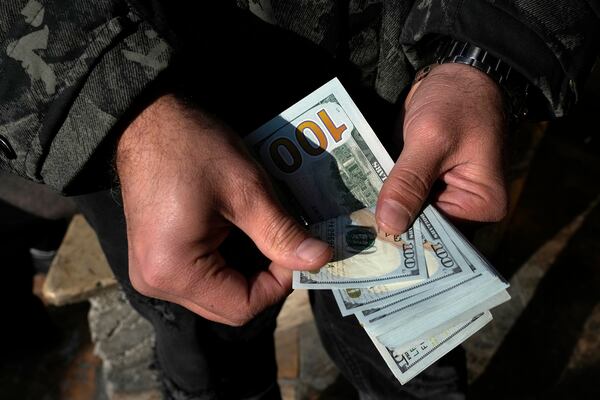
(311, 249)
(393, 216)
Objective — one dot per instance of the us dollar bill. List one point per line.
(442, 270)
(363, 256)
(441, 319)
(323, 157)
(410, 317)
(450, 269)
(407, 362)
(327, 162)
(475, 259)
(418, 295)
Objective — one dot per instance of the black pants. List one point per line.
(23, 314)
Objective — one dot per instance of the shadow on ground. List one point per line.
(552, 351)
(57, 365)
(535, 355)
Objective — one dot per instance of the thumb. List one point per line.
(406, 188)
(277, 235)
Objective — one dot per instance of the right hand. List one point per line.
(185, 180)
(453, 134)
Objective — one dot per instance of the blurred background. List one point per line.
(68, 332)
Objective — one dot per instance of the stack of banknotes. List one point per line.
(417, 295)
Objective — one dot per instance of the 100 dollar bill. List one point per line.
(407, 362)
(327, 162)
(363, 256)
(417, 295)
(442, 269)
(324, 158)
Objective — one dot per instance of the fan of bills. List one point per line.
(417, 295)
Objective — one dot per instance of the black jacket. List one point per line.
(71, 72)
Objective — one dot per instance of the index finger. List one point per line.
(222, 294)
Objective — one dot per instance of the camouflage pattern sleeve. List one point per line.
(69, 71)
(553, 43)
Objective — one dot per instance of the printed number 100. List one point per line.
(287, 145)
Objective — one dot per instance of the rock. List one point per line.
(80, 269)
(124, 341)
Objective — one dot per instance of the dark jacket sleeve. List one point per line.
(553, 43)
(69, 72)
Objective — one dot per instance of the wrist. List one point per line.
(452, 106)
(140, 132)
(461, 80)
(514, 86)
(144, 149)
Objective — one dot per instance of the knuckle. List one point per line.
(279, 232)
(138, 283)
(428, 131)
(407, 185)
(240, 319)
(153, 275)
(233, 321)
(247, 190)
(251, 181)
(253, 202)
(495, 204)
(501, 214)
(500, 209)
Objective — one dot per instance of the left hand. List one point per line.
(186, 180)
(453, 130)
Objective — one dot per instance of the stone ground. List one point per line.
(543, 344)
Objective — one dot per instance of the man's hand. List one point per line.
(453, 132)
(186, 179)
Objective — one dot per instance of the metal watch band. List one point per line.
(513, 83)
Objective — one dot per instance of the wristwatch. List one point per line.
(513, 84)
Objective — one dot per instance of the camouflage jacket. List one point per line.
(71, 71)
